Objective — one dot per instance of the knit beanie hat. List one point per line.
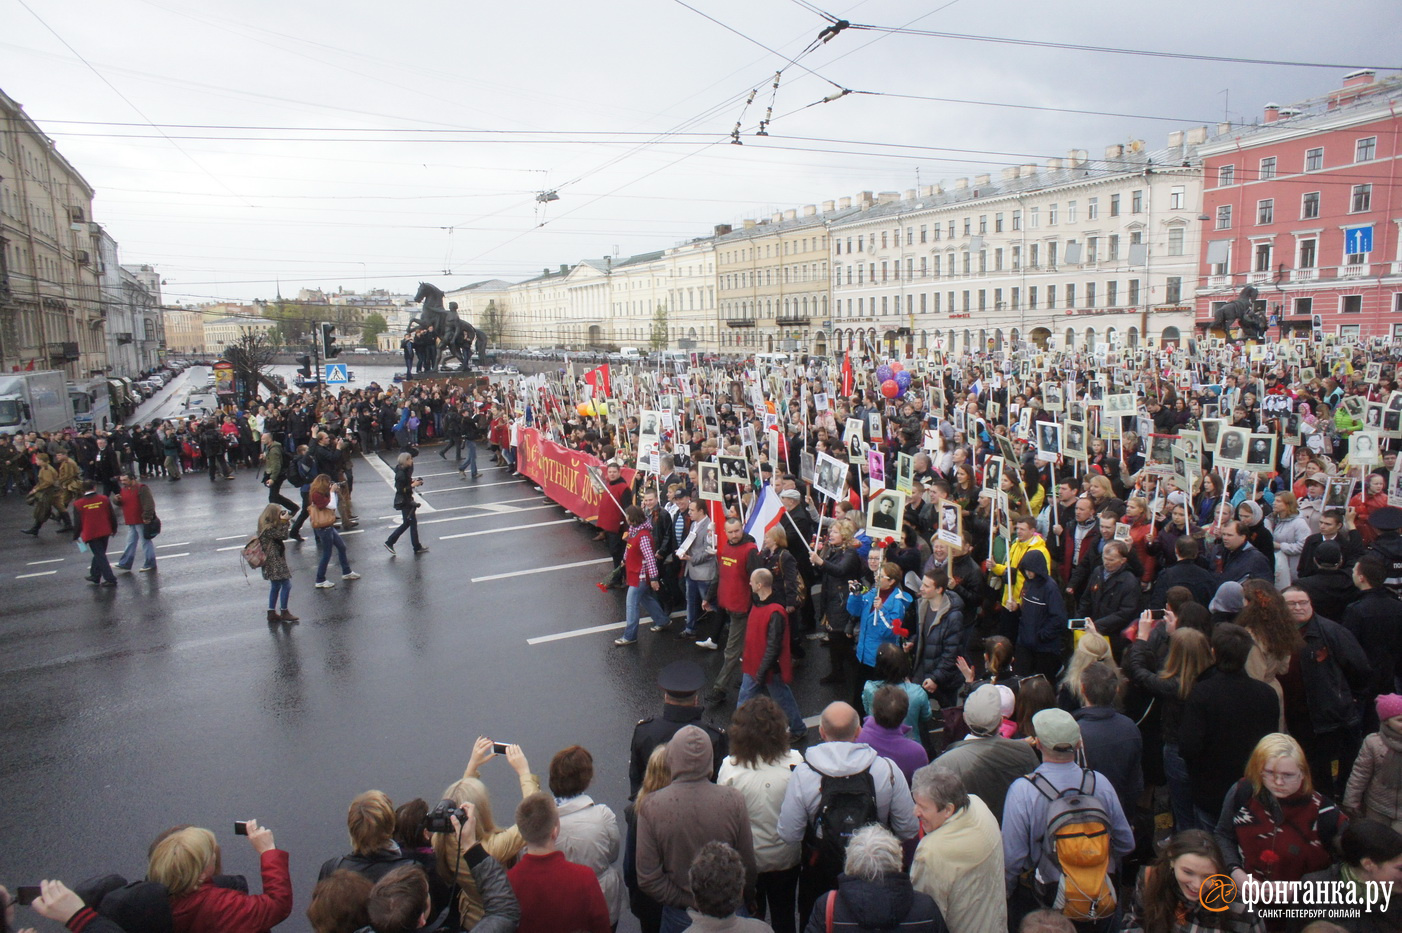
(1389, 705)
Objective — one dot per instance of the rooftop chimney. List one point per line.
(809, 210)
(1009, 173)
(1272, 113)
(1197, 135)
(749, 224)
(1175, 139)
(1360, 77)
(564, 268)
(961, 184)
(776, 217)
(927, 191)
(909, 195)
(1053, 165)
(844, 203)
(981, 180)
(1288, 112)
(1223, 129)
(888, 197)
(828, 207)
(1075, 158)
(791, 214)
(1026, 171)
(723, 229)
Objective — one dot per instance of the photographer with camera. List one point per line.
(185, 862)
(503, 845)
(404, 501)
(323, 501)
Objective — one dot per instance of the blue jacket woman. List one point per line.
(882, 611)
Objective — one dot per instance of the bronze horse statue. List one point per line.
(1242, 312)
(458, 337)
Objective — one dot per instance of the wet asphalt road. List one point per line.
(170, 700)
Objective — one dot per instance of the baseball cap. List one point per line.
(790, 494)
(1321, 478)
(1056, 729)
(983, 710)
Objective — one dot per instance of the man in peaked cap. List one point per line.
(681, 683)
(1388, 545)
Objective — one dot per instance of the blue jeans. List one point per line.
(148, 549)
(469, 460)
(640, 597)
(276, 589)
(1180, 791)
(779, 692)
(695, 594)
(326, 539)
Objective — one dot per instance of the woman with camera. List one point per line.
(404, 501)
(186, 860)
(323, 502)
(273, 527)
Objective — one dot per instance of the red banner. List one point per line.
(560, 473)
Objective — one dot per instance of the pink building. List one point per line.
(1306, 206)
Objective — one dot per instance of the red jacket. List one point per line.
(223, 910)
(556, 894)
(132, 511)
(732, 585)
(639, 559)
(767, 650)
(95, 517)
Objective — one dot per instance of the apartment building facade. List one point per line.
(1305, 207)
(50, 300)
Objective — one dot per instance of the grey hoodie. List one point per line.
(838, 759)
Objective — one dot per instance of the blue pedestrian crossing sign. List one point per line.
(1358, 240)
(337, 374)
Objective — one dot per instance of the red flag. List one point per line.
(847, 373)
(598, 379)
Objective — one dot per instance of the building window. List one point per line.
(1136, 202)
(1134, 292)
(935, 302)
(1051, 296)
(924, 303)
(1017, 220)
(1365, 150)
(1090, 294)
(1226, 175)
(1032, 298)
(1051, 255)
(1309, 205)
(1034, 217)
(885, 270)
(1350, 304)
(1112, 293)
(968, 263)
(1033, 254)
(983, 262)
(1070, 212)
(982, 224)
(1092, 249)
(1314, 159)
(1262, 258)
(1173, 289)
(871, 272)
(1070, 296)
(1113, 250)
(1114, 205)
(1175, 198)
(983, 299)
(966, 301)
(1017, 258)
(1093, 209)
(1362, 199)
(884, 308)
(924, 233)
(1051, 215)
(951, 229)
(1175, 241)
(998, 260)
(1304, 307)
(1017, 296)
(883, 239)
(909, 236)
(1308, 257)
(968, 226)
(998, 223)
(1224, 217)
(1267, 168)
(1265, 211)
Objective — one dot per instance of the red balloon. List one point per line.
(889, 388)
(897, 366)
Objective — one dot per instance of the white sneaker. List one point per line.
(350, 576)
(147, 569)
(624, 642)
(325, 585)
(708, 645)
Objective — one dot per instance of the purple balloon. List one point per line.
(883, 373)
(903, 379)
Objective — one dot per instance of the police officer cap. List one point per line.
(681, 678)
(1387, 518)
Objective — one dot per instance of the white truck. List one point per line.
(36, 401)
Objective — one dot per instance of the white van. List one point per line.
(630, 352)
(771, 359)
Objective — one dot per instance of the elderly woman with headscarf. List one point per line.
(1257, 534)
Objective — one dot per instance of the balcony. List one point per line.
(1219, 281)
(740, 322)
(792, 320)
(1355, 271)
(1304, 275)
(1259, 278)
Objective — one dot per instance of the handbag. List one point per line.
(151, 528)
(322, 518)
(253, 553)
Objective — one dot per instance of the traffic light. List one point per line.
(306, 368)
(329, 350)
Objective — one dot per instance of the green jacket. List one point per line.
(1346, 423)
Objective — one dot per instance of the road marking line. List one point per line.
(592, 630)
(523, 573)
(476, 505)
(454, 472)
(354, 531)
(461, 518)
(51, 560)
(41, 573)
(498, 508)
(493, 531)
(232, 547)
(228, 538)
(173, 556)
(811, 721)
(471, 485)
(181, 544)
(387, 474)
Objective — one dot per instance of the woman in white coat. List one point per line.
(589, 831)
(1289, 529)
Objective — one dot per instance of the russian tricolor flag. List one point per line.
(768, 511)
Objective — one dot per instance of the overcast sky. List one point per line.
(358, 174)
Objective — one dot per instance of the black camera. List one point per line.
(440, 818)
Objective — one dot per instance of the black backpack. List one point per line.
(845, 805)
